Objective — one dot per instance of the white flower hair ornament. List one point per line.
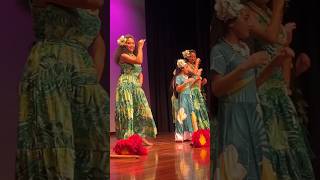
(122, 40)
(186, 53)
(181, 63)
(228, 9)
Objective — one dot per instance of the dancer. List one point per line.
(242, 146)
(290, 154)
(133, 114)
(184, 116)
(199, 104)
(63, 109)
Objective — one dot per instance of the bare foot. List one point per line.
(146, 142)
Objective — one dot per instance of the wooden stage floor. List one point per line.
(166, 160)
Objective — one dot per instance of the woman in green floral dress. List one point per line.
(133, 114)
(290, 153)
(199, 102)
(64, 111)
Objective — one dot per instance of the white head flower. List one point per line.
(186, 53)
(181, 63)
(228, 9)
(122, 40)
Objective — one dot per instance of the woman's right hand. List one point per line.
(282, 56)
(189, 80)
(257, 59)
(141, 43)
(198, 60)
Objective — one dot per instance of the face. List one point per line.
(241, 26)
(185, 69)
(192, 57)
(130, 44)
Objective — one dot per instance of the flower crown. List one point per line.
(181, 63)
(186, 53)
(228, 9)
(122, 40)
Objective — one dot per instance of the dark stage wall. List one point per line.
(173, 26)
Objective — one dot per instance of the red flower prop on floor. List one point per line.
(131, 146)
(201, 138)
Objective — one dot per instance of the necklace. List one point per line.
(241, 48)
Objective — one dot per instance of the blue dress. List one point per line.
(241, 149)
(185, 118)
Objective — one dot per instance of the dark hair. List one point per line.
(192, 51)
(173, 82)
(123, 49)
(218, 29)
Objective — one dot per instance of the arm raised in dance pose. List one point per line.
(133, 59)
(271, 33)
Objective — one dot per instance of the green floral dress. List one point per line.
(133, 114)
(200, 107)
(290, 151)
(64, 112)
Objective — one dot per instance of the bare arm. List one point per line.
(197, 64)
(181, 87)
(224, 83)
(267, 72)
(270, 34)
(134, 59)
(289, 27)
(284, 57)
(98, 53)
(141, 78)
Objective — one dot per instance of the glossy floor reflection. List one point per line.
(166, 160)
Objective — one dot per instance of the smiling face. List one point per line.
(192, 57)
(185, 69)
(130, 44)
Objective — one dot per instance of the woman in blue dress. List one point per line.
(241, 144)
(184, 116)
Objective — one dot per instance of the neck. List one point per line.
(182, 74)
(232, 38)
